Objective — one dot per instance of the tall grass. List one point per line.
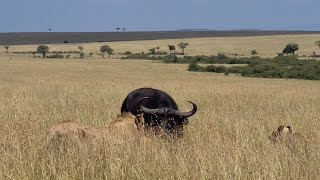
(226, 139)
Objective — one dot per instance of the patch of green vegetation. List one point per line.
(57, 55)
(218, 59)
(278, 67)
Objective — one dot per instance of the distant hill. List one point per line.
(194, 30)
(186, 30)
(309, 27)
(79, 37)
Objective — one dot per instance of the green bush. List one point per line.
(127, 53)
(195, 67)
(235, 69)
(161, 53)
(220, 69)
(137, 56)
(278, 67)
(211, 68)
(106, 49)
(170, 59)
(82, 55)
(55, 56)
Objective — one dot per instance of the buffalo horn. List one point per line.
(185, 114)
(149, 111)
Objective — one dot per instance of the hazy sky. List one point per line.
(139, 15)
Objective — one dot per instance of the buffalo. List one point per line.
(160, 111)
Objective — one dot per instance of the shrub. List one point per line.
(161, 53)
(57, 52)
(172, 48)
(65, 41)
(222, 57)
(55, 56)
(20, 52)
(127, 53)
(91, 54)
(211, 68)
(290, 48)
(62, 52)
(68, 56)
(220, 69)
(106, 49)
(170, 59)
(254, 52)
(152, 51)
(315, 56)
(137, 56)
(195, 67)
(82, 55)
(234, 69)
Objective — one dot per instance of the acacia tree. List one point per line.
(254, 52)
(317, 43)
(7, 48)
(153, 51)
(182, 46)
(106, 49)
(290, 48)
(43, 49)
(172, 48)
(118, 29)
(80, 48)
(81, 51)
(235, 55)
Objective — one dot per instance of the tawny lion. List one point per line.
(126, 125)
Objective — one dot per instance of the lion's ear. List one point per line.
(280, 128)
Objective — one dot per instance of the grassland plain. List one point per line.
(226, 139)
(266, 46)
(74, 37)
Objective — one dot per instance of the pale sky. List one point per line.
(150, 15)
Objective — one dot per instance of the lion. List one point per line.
(126, 125)
(282, 133)
(296, 142)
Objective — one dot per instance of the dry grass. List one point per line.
(226, 139)
(267, 46)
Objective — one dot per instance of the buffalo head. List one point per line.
(171, 120)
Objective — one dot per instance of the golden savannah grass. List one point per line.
(228, 138)
(266, 46)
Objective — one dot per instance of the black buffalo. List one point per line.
(159, 110)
